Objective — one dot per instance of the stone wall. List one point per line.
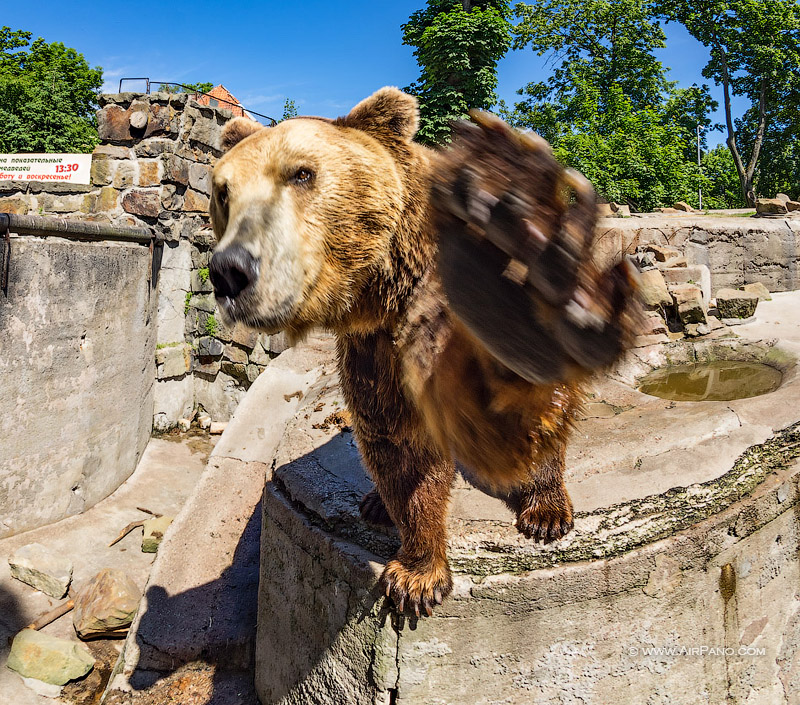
(77, 338)
(153, 168)
(738, 251)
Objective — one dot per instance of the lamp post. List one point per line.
(700, 172)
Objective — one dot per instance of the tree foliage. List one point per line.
(289, 109)
(48, 96)
(204, 87)
(457, 46)
(608, 108)
(754, 52)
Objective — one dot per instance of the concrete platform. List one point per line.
(163, 480)
(679, 583)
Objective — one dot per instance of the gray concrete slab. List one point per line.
(164, 479)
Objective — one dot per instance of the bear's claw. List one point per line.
(544, 517)
(516, 233)
(373, 510)
(414, 590)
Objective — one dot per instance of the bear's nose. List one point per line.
(232, 270)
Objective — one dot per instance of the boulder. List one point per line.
(662, 253)
(652, 324)
(48, 658)
(770, 206)
(42, 569)
(697, 274)
(683, 206)
(759, 290)
(782, 197)
(652, 290)
(209, 347)
(736, 304)
(689, 303)
(793, 206)
(106, 605)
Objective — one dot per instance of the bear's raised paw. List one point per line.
(516, 233)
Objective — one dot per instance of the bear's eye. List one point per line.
(303, 176)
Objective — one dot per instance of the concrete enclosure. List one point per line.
(77, 335)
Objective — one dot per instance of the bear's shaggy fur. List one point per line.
(339, 224)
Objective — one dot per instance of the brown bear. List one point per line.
(460, 288)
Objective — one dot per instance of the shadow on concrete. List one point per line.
(11, 621)
(209, 629)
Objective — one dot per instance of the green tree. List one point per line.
(48, 96)
(457, 46)
(289, 109)
(721, 187)
(608, 109)
(754, 48)
(185, 88)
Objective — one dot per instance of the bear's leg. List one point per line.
(542, 505)
(373, 510)
(414, 484)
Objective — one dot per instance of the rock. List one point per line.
(689, 303)
(154, 530)
(642, 341)
(604, 210)
(201, 283)
(244, 336)
(770, 206)
(46, 690)
(209, 347)
(195, 202)
(662, 253)
(652, 324)
(673, 263)
(793, 206)
(200, 178)
(106, 605)
(172, 361)
(42, 569)
(48, 658)
(204, 421)
(697, 274)
(736, 304)
(782, 197)
(176, 169)
(149, 173)
(694, 330)
(738, 321)
(644, 260)
(217, 427)
(759, 290)
(598, 410)
(683, 206)
(184, 424)
(141, 202)
(623, 211)
(652, 290)
(666, 211)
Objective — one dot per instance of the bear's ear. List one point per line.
(388, 112)
(236, 130)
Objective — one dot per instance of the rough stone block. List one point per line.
(149, 172)
(154, 147)
(689, 303)
(48, 658)
(195, 202)
(106, 605)
(652, 290)
(209, 347)
(234, 353)
(113, 124)
(280, 342)
(107, 200)
(102, 172)
(792, 206)
(662, 253)
(200, 178)
(770, 206)
(125, 175)
(176, 169)
(15, 204)
(143, 203)
(697, 274)
(60, 204)
(244, 336)
(682, 206)
(736, 304)
(172, 361)
(201, 283)
(42, 569)
(203, 303)
(109, 151)
(759, 290)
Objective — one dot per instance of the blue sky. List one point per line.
(325, 56)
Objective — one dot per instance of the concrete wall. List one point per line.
(77, 343)
(737, 250)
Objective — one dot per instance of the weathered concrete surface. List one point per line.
(166, 476)
(77, 343)
(693, 547)
(199, 608)
(737, 250)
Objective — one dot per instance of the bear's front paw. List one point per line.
(373, 510)
(516, 255)
(545, 516)
(416, 589)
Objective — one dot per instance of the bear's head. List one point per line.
(305, 212)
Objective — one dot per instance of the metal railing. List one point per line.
(190, 90)
(61, 227)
